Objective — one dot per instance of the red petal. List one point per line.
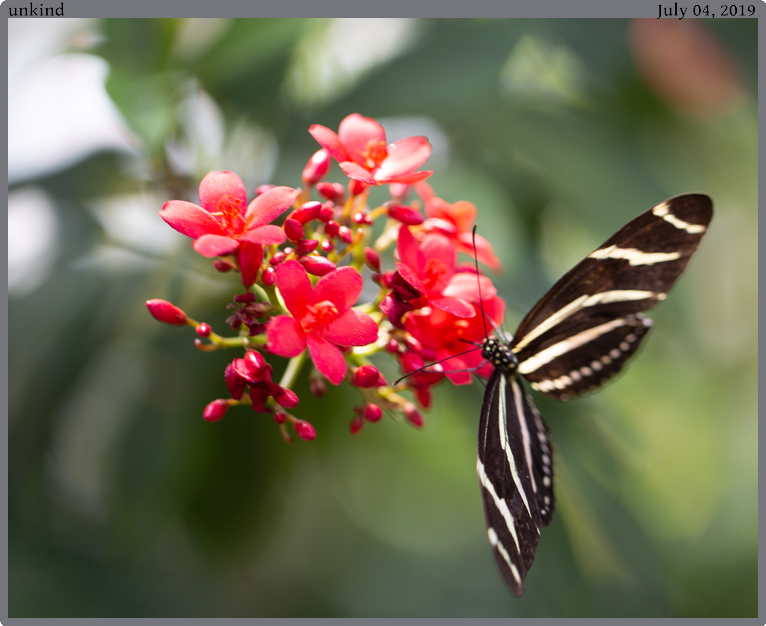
(294, 285)
(341, 287)
(464, 215)
(267, 235)
(215, 245)
(357, 172)
(249, 258)
(327, 358)
(356, 131)
(190, 219)
(440, 248)
(270, 205)
(466, 285)
(285, 336)
(407, 179)
(408, 250)
(330, 141)
(410, 278)
(438, 208)
(454, 306)
(425, 192)
(353, 328)
(404, 157)
(217, 185)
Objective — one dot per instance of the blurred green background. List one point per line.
(123, 501)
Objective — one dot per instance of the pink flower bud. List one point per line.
(355, 187)
(317, 265)
(356, 424)
(405, 214)
(249, 256)
(307, 212)
(372, 412)
(392, 346)
(331, 191)
(269, 277)
(332, 228)
(362, 218)
(387, 279)
(304, 430)
(204, 330)
(254, 362)
(345, 234)
(372, 258)
(163, 311)
(280, 417)
(262, 188)
(365, 376)
(223, 266)
(306, 246)
(327, 245)
(294, 230)
(327, 212)
(381, 382)
(234, 382)
(413, 416)
(215, 410)
(317, 384)
(287, 398)
(277, 258)
(317, 167)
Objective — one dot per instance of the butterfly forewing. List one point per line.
(592, 314)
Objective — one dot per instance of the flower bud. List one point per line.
(262, 189)
(345, 234)
(287, 398)
(269, 277)
(381, 382)
(215, 410)
(204, 330)
(294, 230)
(355, 187)
(307, 212)
(254, 361)
(332, 228)
(317, 167)
(317, 265)
(365, 376)
(372, 258)
(331, 191)
(413, 416)
(245, 298)
(392, 346)
(327, 245)
(327, 212)
(398, 191)
(304, 430)
(405, 214)
(387, 279)
(306, 246)
(223, 266)
(356, 424)
(317, 384)
(372, 412)
(362, 218)
(164, 311)
(249, 256)
(280, 417)
(277, 258)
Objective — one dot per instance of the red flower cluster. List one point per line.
(302, 279)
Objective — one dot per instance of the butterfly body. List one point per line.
(578, 336)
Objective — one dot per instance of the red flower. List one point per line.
(428, 273)
(322, 318)
(447, 335)
(456, 222)
(225, 219)
(360, 148)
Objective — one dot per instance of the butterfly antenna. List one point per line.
(425, 367)
(478, 280)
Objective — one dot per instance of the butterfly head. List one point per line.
(499, 354)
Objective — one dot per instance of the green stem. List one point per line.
(292, 371)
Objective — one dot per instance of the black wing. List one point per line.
(583, 330)
(515, 473)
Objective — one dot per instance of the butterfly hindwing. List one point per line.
(515, 473)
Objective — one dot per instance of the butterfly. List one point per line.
(578, 336)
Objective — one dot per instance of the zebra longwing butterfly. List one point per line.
(578, 336)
